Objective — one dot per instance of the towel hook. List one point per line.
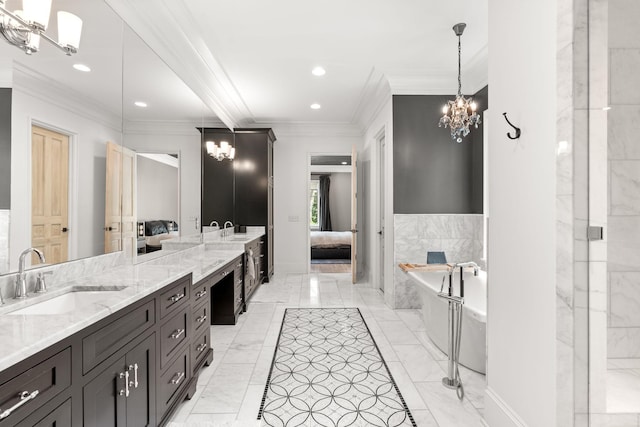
(518, 132)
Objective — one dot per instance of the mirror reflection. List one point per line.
(75, 144)
(63, 112)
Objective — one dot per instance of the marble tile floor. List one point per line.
(229, 392)
(623, 386)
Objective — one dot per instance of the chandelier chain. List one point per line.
(459, 68)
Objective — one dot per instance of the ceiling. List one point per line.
(123, 68)
(250, 61)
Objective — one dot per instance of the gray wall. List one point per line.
(433, 174)
(5, 148)
(157, 191)
(340, 201)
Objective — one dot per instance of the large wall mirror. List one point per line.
(74, 137)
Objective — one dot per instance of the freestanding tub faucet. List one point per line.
(476, 267)
(21, 281)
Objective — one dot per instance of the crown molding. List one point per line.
(375, 94)
(315, 129)
(171, 32)
(39, 86)
(168, 127)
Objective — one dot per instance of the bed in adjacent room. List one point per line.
(330, 245)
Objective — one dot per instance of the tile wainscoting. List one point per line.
(459, 236)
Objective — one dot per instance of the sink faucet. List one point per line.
(225, 227)
(212, 223)
(476, 267)
(21, 281)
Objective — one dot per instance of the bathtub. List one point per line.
(473, 345)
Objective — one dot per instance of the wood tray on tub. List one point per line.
(408, 266)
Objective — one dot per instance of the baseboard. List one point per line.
(497, 413)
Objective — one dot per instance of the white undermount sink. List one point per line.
(66, 303)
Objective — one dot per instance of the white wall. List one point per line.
(89, 135)
(291, 176)
(380, 124)
(340, 201)
(157, 190)
(184, 140)
(521, 329)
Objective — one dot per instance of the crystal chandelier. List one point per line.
(25, 28)
(460, 113)
(224, 151)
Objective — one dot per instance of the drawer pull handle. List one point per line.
(177, 333)
(134, 368)
(176, 297)
(202, 318)
(125, 392)
(201, 293)
(239, 264)
(239, 281)
(25, 397)
(261, 255)
(261, 242)
(201, 347)
(177, 378)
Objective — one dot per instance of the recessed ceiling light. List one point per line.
(140, 104)
(318, 71)
(344, 163)
(316, 106)
(81, 67)
(607, 108)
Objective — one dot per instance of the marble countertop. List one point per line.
(212, 240)
(23, 335)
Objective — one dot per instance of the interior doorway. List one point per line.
(330, 211)
(50, 193)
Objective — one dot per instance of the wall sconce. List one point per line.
(224, 151)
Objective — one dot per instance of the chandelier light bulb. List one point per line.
(460, 113)
(37, 11)
(69, 29)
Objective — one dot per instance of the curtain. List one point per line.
(325, 214)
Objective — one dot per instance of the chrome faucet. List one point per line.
(212, 223)
(476, 267)
(224, 232)
(21, 281)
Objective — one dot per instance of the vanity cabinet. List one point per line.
(227, 299)
(255, 267)
(123, 392)
(241, 191)
(132, 368)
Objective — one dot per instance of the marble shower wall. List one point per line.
(623, 336)
(459, 236)
(4, 240)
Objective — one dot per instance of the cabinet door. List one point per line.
(103, 404)
(140, 363)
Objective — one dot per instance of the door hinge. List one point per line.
(595, 233)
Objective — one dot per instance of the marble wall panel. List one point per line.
(459, 236)
(624, 243)
(624, 299)
(623, 343)
(624, 83)
(624, 132)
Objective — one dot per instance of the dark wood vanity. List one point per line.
(131, 368)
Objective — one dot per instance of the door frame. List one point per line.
(381, 169)
(306, 200)
(72, 199)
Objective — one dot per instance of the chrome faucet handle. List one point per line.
(41, 284)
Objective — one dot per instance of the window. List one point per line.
(314, 199)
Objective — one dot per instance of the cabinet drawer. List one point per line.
(36, 385)
(171, 382)
(200, 292)
(173, 334)
(200, 318)
(199, 348)
(175, 297)
(61, 416)
(101, 344)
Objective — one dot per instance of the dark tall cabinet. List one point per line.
(241, 191)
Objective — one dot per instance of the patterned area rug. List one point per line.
(327, 371)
